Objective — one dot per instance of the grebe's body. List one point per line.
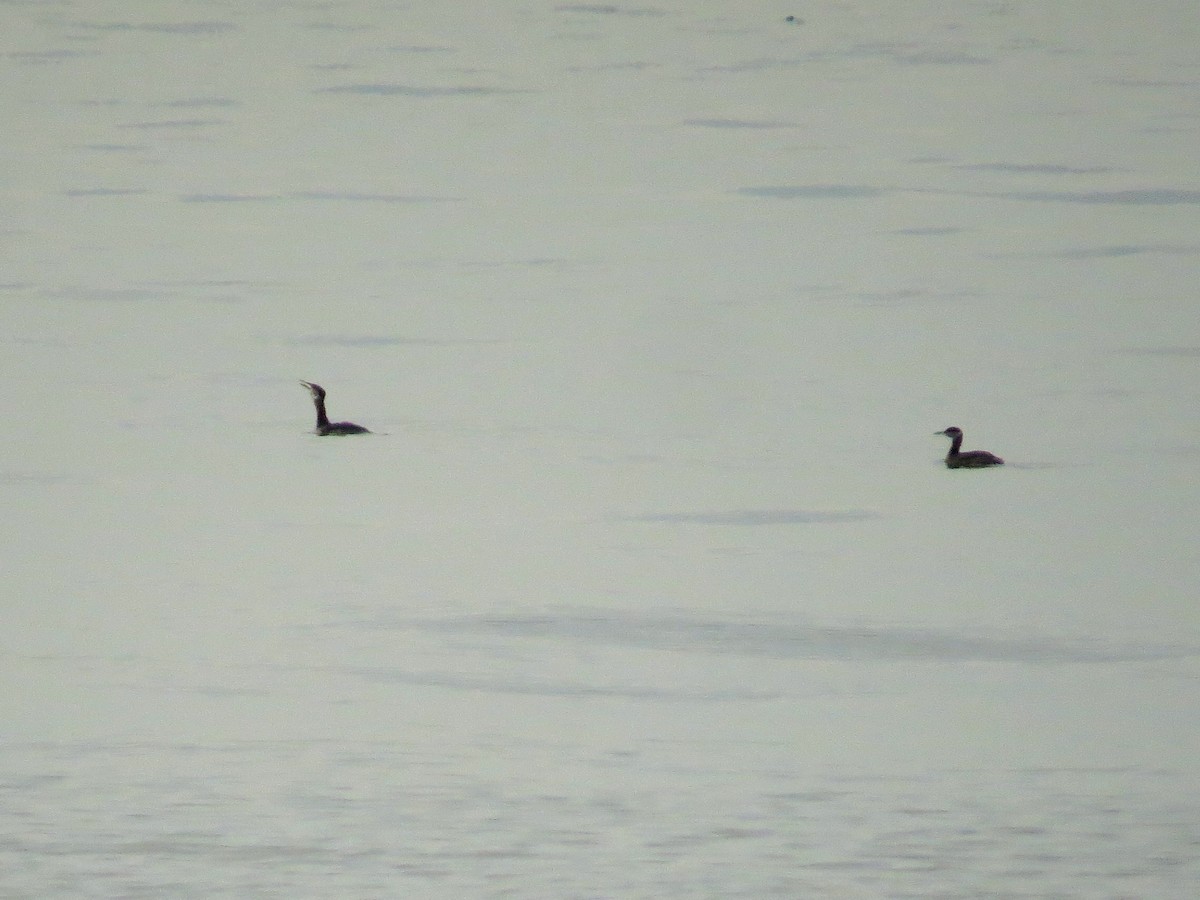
(971, 459)
(324, 426)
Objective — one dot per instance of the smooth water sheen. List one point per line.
(650, 581)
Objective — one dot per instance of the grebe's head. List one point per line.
(952, 432)
(318, 392)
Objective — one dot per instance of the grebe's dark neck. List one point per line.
(955, 441)
(322, 418)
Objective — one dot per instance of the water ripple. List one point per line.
(789, 640)
(757, 517)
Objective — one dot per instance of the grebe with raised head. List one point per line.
(971, 459)
(324, 426)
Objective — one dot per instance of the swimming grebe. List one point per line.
(972, 459)
(324, 426)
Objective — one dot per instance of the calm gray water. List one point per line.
(650, 582)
